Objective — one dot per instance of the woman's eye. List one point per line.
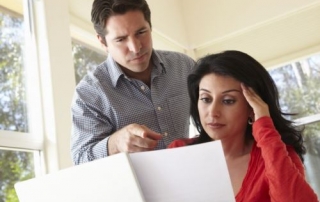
(228, 101)
(205, 100)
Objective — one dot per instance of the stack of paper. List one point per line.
(195, 173)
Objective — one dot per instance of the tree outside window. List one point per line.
(299, 92)
(15, 165)
(85, 59)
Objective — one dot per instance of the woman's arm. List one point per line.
(284, 169)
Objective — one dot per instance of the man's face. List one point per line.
(128, 41)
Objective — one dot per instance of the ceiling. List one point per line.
(269, 30)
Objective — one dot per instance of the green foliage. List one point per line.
(15, 166)
(299, 87)
(85, 60)
(298, 84)
(13, 111)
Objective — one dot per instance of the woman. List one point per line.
(234, 99)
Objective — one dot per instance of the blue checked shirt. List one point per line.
(106, 100)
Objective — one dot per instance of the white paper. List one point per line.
(196, 173)
(109, 179)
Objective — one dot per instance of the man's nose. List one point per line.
(134, 45)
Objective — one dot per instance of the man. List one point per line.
(137, 99)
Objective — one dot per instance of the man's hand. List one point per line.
(133, 138)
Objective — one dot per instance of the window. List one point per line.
(13, 112)
(298, 85)
(312, 159)
(19, 148)
(85, 59)
(15, 166)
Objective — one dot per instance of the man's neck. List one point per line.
(144, 76)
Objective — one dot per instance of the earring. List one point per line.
(250, 121)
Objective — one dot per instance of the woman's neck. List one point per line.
(234, 149)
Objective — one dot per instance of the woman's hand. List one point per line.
(260, 108)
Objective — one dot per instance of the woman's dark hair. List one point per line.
(247, 70)
(102, 10)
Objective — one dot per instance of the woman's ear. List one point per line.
(252, 115)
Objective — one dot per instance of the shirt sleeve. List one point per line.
(90, 128)
(284, 169)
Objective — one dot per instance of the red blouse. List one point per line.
(275, 172)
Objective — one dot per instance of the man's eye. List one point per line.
(120, 40)
(141, 32)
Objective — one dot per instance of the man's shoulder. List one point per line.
(95, 76)
(167, 53)
(175, 59)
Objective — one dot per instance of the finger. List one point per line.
(137, 143)
(259, 107)
(135, 148)
(145, 143)
(148, 133)
(250, 95)
(137, 130)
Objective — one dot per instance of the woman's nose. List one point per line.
(214, 109)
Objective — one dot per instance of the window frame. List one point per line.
(32, 140)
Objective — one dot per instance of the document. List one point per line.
(196, 173)
(105, 180)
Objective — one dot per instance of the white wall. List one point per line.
(57, 80)
(271, 31)
(168, 21)
(209, 20)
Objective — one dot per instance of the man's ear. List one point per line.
(102, 42)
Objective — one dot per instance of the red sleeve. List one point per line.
(181, 142)
(284, 169)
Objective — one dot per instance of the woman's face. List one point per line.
(223, 109)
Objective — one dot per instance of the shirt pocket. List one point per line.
(179, 113)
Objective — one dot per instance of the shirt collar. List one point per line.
(158, 63)
(114, 70)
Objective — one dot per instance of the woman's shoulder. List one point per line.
(182, 142)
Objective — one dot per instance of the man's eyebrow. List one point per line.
(119, 37)
(124, 36)
(142, 28)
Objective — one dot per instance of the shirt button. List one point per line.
(159, 108)
(165, 134)
(142, 87)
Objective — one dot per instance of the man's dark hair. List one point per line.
(102, 10)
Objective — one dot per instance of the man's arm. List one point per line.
(133, 138)
(93, 137)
